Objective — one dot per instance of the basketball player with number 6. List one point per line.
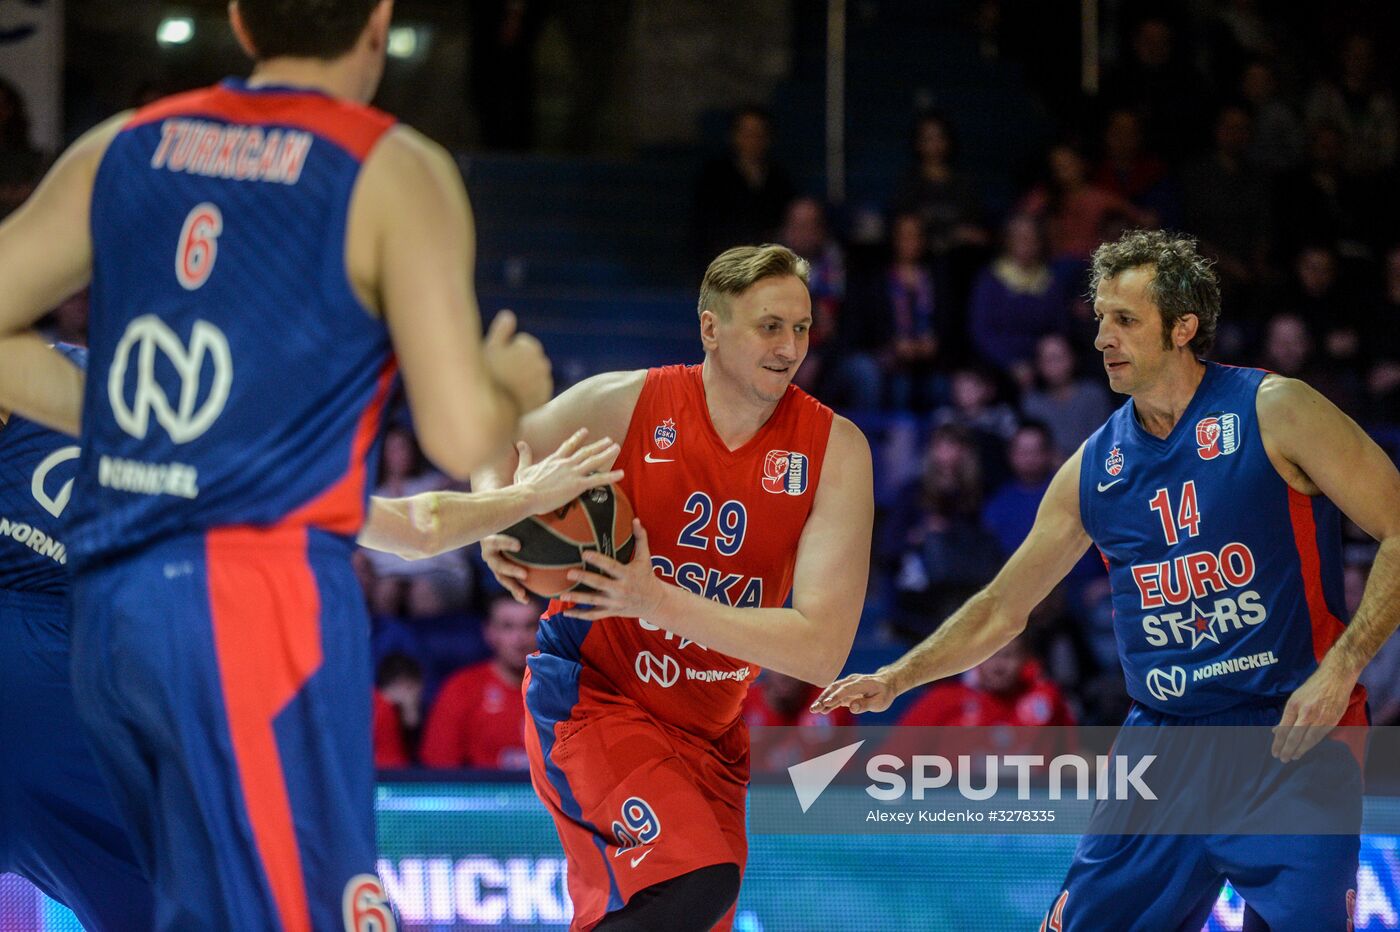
(265, 255)
(746, 490)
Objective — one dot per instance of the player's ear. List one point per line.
(378, 25)
(709, 322)
(1185, 330)
(240, 30)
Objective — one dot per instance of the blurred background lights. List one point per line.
(175, 30)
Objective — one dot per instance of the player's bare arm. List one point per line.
(602, 404)
(45, 256)
(431, 523)
(989, 620)
(409, 221)
(1320, 451)
(809, 641)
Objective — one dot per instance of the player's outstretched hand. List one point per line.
(517, 362)
(1312, 712)
(567, 473)
(510, 575)
(859, 692)
(621, 590)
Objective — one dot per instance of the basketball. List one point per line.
(553, 543)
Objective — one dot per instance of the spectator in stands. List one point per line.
(904, 312)
(740, 198)
(1017, 299)
(1289, 349)
(937, 548)
(805, 232)
(389, 750)
(398, 711)
(1008, 688)
(1076, 211)
(478, 719)
(1321, 203)
(1276, 144)
(21, 165)
(1159, 82)
(1130, 171)
(780, 700)
(977, 408)
(945, 199)
(1227, 203)
(1010, 512)
(1364, 111)
(1381, 345)
(1073, 408)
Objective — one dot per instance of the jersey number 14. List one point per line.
(1187, 517)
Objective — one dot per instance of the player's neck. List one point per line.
(736, 415)
(1160, 407)
(339, 78)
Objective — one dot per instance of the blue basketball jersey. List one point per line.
(235, 376)
(1227, 583)
(37, 469)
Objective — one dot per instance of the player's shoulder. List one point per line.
(847, 439)
(617, 387)
(1282, 402)
(403, 158)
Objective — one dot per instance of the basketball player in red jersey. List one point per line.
(746, 490)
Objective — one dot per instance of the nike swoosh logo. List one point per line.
(638, 859)
(1105, 486)
(652, 459)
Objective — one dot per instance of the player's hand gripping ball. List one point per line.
(553, 543)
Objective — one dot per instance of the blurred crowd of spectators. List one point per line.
(962, 342)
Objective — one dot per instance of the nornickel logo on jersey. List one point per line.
(1217, 435)
(53, 504)
(1114, 463)
(785, 472)
(664, 435)
(1168, 684)
(187, 418)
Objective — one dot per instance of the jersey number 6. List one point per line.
(199, 246)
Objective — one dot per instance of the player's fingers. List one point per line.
(570, 446)
(497, 543)
(845, 694)
(584, 453)
(596, 479)
(600, 459)
(1312, 736)
(502, 328)
(639, 534)
(1283, 728)
(603, 584)
(603, 563)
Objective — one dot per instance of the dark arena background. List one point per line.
(978, 149)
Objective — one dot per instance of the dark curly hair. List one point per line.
(324, 29)
(1184, 283)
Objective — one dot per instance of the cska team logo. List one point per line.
(785, 472)
(1217, 435)
(1114, 463)
(665, 434)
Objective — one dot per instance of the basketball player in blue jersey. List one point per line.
(59, 828)
(1213, 494)
(264, 255)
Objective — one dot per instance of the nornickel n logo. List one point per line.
(662, 670)
(55, 504)
(187, 418)
(1164, 685)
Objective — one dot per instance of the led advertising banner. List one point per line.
(482, 855)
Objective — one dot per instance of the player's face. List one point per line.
(1130, 331)
(764, 339)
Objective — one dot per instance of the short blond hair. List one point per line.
(736, 270)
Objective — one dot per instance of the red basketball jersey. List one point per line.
(723, 524)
